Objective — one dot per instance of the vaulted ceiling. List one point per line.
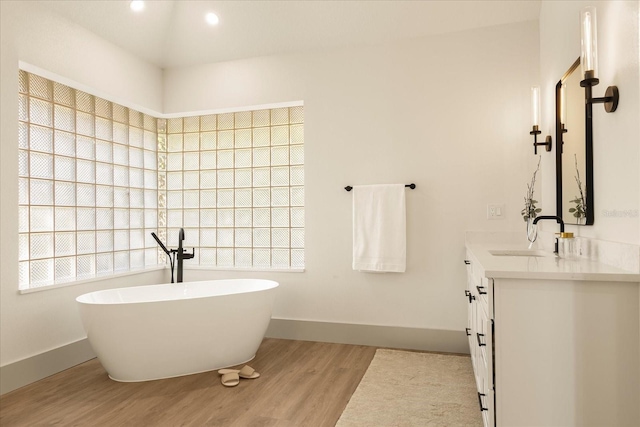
(173, 33)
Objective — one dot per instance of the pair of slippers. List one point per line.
(231, 377)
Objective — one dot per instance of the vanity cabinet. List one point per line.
(551, 352)
(480, 334)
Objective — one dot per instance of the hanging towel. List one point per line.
(379, 228)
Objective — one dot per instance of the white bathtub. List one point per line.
(161, 331)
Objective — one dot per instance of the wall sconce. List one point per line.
(589, 63)
(535, 119)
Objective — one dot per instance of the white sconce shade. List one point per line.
(563, 104)
(589, 43)
(535, 121)
(535, 106)
(589, 63)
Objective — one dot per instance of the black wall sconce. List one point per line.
(535, 119)
(589, 63)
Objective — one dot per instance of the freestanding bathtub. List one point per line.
(161, 331)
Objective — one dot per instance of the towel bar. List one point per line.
(411, 186)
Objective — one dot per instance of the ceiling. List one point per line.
(172, 33)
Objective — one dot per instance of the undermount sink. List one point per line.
(521, 252)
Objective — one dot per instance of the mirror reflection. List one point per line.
(573, 160)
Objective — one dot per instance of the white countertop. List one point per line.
(549, 267)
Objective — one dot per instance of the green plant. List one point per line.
(530, 210)
(580, 211)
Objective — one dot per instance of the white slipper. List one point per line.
(246, 372)
(230, 379)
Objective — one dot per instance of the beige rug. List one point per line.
(402, 388)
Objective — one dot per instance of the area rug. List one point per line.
(402, 388)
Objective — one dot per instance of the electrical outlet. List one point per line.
(495, 211)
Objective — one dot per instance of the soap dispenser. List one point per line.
(566, 246)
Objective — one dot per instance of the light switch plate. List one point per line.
(495, 211)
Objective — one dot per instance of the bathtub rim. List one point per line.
(271, 284)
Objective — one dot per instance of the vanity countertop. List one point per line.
(547, 267)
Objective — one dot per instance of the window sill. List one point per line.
(92, 279)
(155, 268)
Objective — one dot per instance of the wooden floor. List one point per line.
(302, 383)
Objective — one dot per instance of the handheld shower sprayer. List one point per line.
(164, 248)
(171, 253)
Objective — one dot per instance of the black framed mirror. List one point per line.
(574, 150)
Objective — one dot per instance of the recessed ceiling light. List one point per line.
(136, 5)
(211, 18)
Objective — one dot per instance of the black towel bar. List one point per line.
(411, 186)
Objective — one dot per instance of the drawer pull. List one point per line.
(466, 261)
(480, 343)
(480, 396)
(468, 331)
(481, 290)
(469, 295)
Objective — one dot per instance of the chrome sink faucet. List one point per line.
(558, 220)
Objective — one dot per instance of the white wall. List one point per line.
(34, 323)
(450, 113)
(616, 136)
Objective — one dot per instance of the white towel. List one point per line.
(379, 228)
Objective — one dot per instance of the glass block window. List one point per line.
(235, 183)
(87, 185)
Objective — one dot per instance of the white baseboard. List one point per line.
(32, 369)
(379, 336)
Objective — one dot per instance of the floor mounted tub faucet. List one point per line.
(176, 253)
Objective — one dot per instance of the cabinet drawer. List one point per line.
(482, 287)
(484, 349)
(469, 263)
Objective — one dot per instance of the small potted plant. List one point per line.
(530, 210)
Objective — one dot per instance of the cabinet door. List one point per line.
(486, 400)
(484, 335)
(490, 413)
(472, 330)
(484, 346)
(471, 314)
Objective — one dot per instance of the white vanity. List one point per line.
(554, 342)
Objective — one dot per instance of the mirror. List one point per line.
(574, 151)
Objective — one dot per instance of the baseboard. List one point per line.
(379, 336)
(32, 369)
